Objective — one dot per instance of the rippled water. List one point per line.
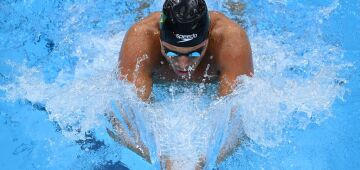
(58, 78)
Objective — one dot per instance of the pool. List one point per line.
(57, 79)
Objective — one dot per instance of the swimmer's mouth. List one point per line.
(182, 73)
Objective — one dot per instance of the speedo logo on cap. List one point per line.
(186, 38)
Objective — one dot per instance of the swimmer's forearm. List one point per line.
(142, 151)
(227, 84)
(226, 151)
(120, 136)
(144, 88)
(143, 84)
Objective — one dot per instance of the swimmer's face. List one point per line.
(184, 60)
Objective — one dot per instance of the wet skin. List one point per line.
(227, 56)
(184, 67)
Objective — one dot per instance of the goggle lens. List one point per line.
(171, 54)
(194, 54)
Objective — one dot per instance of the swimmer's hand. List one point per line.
(132, 141)
(235, 138)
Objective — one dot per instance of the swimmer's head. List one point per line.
(184, 23)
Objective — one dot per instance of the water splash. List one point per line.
(295, 84)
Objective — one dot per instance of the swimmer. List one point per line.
(185, 42)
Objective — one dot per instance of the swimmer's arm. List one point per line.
(139, 53)
(235, 60)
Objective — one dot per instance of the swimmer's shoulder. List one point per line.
(230, 45)
(149, 24)
(141, 41)
(222, 26)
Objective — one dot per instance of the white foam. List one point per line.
(185, 122)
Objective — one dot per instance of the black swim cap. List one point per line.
(184, 23)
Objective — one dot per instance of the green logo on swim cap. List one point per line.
(162, 18)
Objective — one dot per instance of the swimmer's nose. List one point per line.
(183, 62)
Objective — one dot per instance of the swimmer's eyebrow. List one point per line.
(184, 49)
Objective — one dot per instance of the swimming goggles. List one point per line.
(193, 54)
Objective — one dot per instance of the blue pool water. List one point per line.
(58, 78)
